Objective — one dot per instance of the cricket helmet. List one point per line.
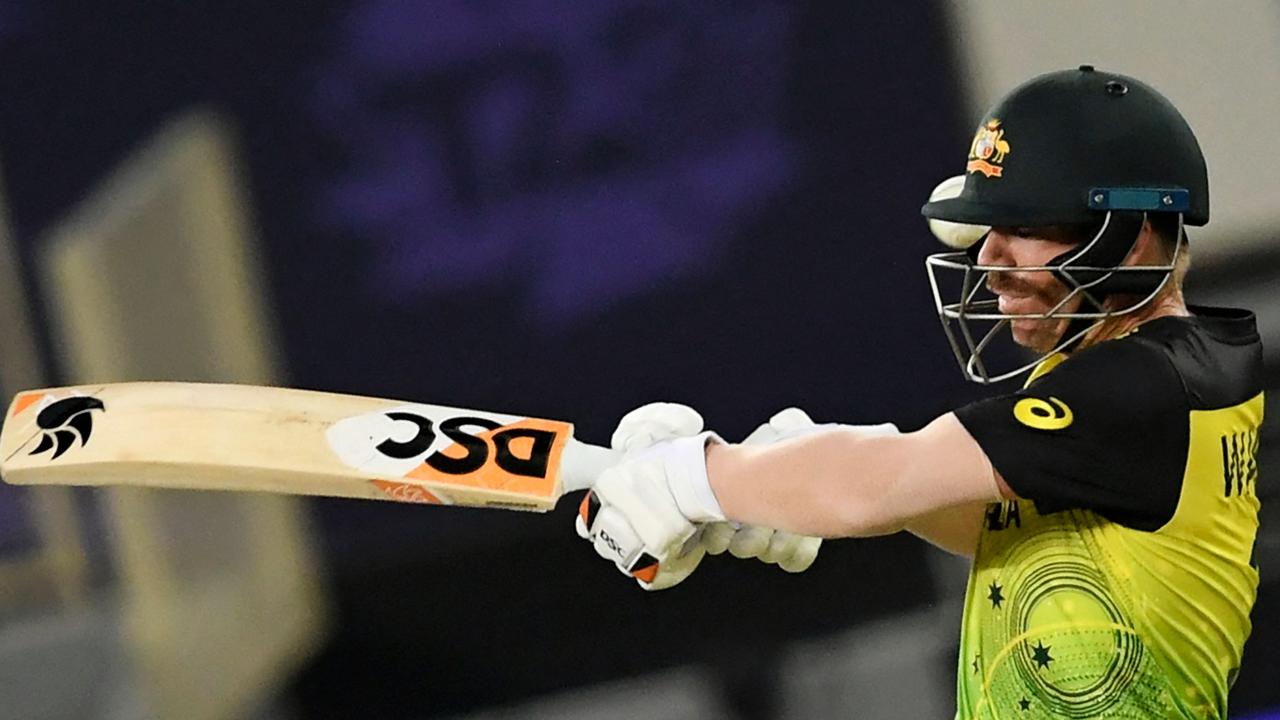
(1081, 147)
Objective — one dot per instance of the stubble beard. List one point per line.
(1039, 335)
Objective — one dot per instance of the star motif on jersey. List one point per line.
(995, 596)
(1040, 654)
(1024, 704)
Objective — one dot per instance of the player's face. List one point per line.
(1032, 292)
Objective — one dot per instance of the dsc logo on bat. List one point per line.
(475, 449)
(458, 448)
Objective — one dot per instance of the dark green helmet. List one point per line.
(1066, 146)
(1079, 147)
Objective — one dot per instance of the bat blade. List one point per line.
(299, 442)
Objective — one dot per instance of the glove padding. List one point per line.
(650, 424)
(791, 552)
(674, 549)
(614, 539)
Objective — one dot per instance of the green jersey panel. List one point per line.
(1119, 585)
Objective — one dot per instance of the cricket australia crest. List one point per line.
(988, 150)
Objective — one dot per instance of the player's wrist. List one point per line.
(687, 478)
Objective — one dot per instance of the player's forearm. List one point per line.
(953, 529)
(842, 484)
(807, 485)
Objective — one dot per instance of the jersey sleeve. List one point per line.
(1107, 431)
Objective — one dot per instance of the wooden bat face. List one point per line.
(238, 437)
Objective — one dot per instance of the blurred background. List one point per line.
(551, 208)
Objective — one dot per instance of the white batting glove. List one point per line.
(650, 424)
(789, 551)
(674, 547)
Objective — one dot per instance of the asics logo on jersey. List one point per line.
(1051, 414)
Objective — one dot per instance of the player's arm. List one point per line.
(999, 448)
(953, 529)
(835, 482)
(1064, 441)
(930, 481)
(843, 484)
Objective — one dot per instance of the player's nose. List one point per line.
(995, 249)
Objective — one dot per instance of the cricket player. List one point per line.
(1109, 506)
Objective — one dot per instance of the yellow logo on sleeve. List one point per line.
(1051, 414)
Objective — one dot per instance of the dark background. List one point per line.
(555, 210)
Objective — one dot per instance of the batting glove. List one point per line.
(631, 516)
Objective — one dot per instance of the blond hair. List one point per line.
(1179, 251)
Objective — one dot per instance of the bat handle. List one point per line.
(581, 464)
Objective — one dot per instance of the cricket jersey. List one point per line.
(1119, 584)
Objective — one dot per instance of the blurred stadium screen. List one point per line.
(154, 277)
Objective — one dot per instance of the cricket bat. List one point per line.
(297, 442)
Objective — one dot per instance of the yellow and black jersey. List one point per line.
(1120, 585)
